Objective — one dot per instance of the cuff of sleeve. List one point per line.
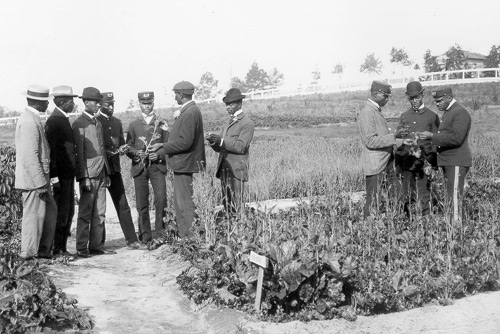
(399, 142)
(221, 141)
(54, 180)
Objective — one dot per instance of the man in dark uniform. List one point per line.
(148, 165)
(451, 139)
(62, 165)
(410, 159)
(233, 145)
(114, 142)
(186, 155)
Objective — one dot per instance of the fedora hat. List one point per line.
(63, 91)
(91, 93)
(414, 88)
(37, 92)
(232, 95)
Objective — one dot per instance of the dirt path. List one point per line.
(134, 291)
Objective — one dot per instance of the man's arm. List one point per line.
(186, 135)
(81, 164)
(457, 134)
(31, 149)
(369, 136)
(239, 145)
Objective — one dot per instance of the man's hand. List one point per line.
(124, 149)
(409, 142)
(152, 156)
(42, 190)
(86, 185)
(140, 154)
(107, 182)
(155, 147)
(425, 135)
(213, 139)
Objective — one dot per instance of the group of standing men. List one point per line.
(404, 159)
(49, 159)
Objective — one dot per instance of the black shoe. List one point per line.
(102, 251)
(83, 253)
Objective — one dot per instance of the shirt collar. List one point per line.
(104, 115)
(33, 110)
(375, 103)
(62, 112)
(237, 113)
(188, 102)
(88, 115)
(420, 108)
(148, 118)
(451, 103)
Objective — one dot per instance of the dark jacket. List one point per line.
(89, 148)
(62, 145)
(112, 130)
(234, 150)
(452, 138)
(185, 147)
(137, 129)
(417, 121)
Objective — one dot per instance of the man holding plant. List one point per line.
(416, 163)
(452, 143)
(114, 142)
(233, 146)
(377, 159)
(145, 137)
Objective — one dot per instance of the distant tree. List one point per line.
(416, 67)
(207, 87)
(338, 69)
(2, 112)
(275, 78)
(455, 58)
(256, 78)
(399, 56)
(493, 59)
(371, 65)
(430, 62)
(316, 75)
(238, 83)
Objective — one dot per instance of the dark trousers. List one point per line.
(374, 184)
(185, 214)
(416, 187)
(455, 178)
(157, 178)
(117, 192)
(91, 215)
(64, 196)
(232, 190)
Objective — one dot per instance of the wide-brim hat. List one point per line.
(108, 97)
(91, 93)
(414, 88)
(232, 95)
(63, 91)
(37, 92)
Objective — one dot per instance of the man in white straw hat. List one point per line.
(62, 167)
(32, 177)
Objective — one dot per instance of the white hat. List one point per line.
(63, 91)
(37, 92)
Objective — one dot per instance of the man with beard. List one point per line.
(33, 177)
(148, 166)
(452, 142)
(92, 172)
(62, 165)
(416, 183)
(377, 158)
(114, 143)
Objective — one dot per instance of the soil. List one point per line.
(135, 291)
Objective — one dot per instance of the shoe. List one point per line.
(83, 253)
(102, 251)
(65, 254)
(137, 245)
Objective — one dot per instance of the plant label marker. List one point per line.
(260, 261)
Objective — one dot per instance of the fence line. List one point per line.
(427, 79)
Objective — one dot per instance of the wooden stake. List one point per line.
(261, 262)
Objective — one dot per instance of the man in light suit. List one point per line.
(233, 146)
(33, 177)
(185, 149)
(62, 165)
(92, 172)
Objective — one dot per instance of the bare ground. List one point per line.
(135, 291)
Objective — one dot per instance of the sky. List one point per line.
(128, 46)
